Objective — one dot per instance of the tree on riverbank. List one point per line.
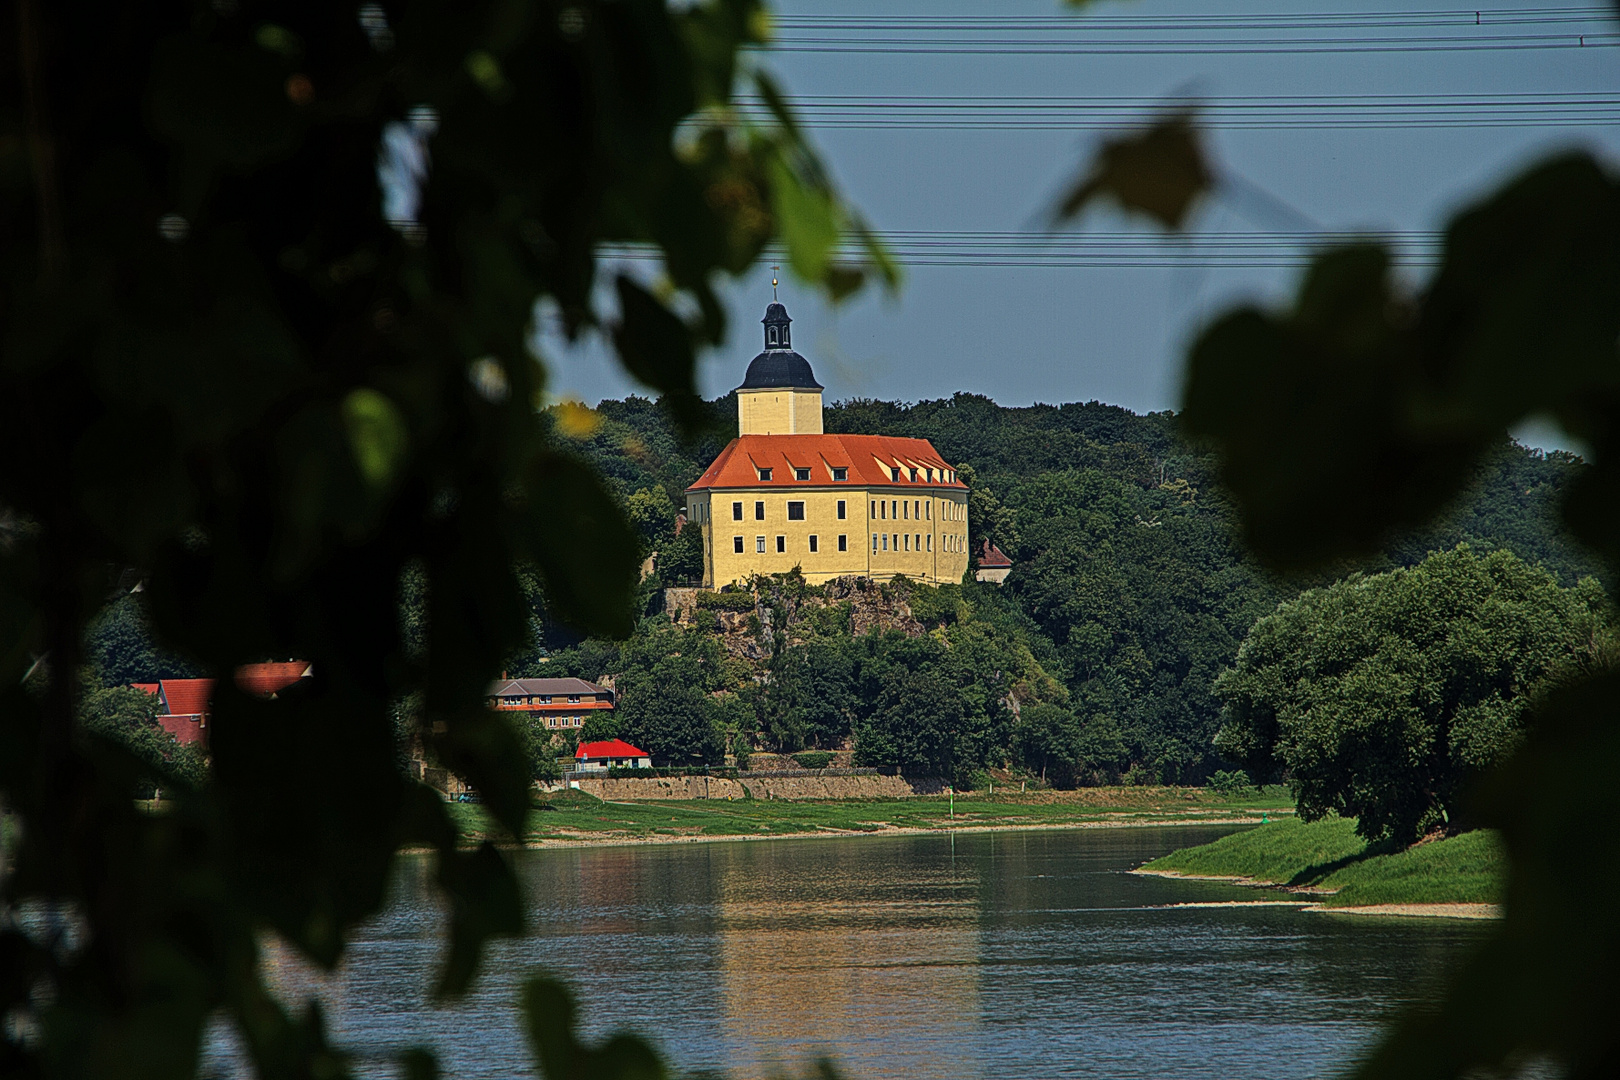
(1383, 697)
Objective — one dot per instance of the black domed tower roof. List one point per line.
(779, 367)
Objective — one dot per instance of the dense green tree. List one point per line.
(1383, 697)
(680, 560)
(918, 724)
(120, 648)
(670, 719)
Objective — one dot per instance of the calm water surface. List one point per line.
(1013, 955)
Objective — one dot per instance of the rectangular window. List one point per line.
(840, 473)
(840, 509)
(905, 510)
(930, 541)
(736, 511)
(874, 541)
(928, 510)
(573, 699)
(759, 544)
(894, 475)
(795, 511)
(781, 543)
(764, 474)
(894, 509)
(908, 541)
(759, 511)
(736, 544)
(885, 541)
(843, 543)
(801, 474)
(913, 476)
(918, 546)
(813, 547)
(916, 509)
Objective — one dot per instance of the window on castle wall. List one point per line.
(885, 541)
(894, 509)
(930, 541)
(840, 509)
(759, 511)
(874, 541)
(840, 473)
(801, 474)
(813, 542)
(737, 544)
(759, 544)
(781, 543)
(736, 511)
(908, 541)
(905, 510)
(843, 543)
(795, 511)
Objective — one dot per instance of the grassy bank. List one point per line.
(571, 817)
(1328, 855)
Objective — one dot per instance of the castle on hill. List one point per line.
(785, 494)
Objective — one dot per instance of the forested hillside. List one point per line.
(1127, 565)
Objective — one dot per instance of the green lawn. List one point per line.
(577, 816)
(1328, 854)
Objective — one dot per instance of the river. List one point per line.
(1010, 955)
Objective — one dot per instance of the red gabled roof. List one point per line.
(610, 748)
(267, 679)
(993, 557)
(150, 687)
(867, 457)
(186, 697)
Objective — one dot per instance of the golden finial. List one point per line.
(774, 271)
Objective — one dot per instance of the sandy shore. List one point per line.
(597, 840)
(1415, 911)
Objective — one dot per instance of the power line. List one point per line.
(1101, 249)
(909, 46)
(1265, 111)
(1537, 16)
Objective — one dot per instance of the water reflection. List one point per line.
(842, 949)
(1012, 955)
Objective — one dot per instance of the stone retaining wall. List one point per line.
(787, 787)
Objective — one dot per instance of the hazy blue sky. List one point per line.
(1023, 334)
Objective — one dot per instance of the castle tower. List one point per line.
(779, 395)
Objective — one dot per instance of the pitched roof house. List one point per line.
(556, 703)
(610, 754)
(184, 703)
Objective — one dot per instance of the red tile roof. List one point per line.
(150, 687)
(267, 679)
(186, 697)
(870, 460)
(610, 748)
(993, 557)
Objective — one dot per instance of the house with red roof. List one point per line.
(184, 703)
(786, 495)
(610, 754)
(994, 566)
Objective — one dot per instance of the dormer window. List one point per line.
(840, 473)
(913, 476)
(801, 474)
(894, 474)
(764, 474)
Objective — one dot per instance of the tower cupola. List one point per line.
(779, 394)
(777, 332)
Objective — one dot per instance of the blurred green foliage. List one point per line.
(269, 279)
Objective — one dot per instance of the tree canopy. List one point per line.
(1384, 697)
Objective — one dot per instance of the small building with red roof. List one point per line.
(610, 754)
(784, 494)
(994, 566)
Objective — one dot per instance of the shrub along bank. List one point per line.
(1329, 855)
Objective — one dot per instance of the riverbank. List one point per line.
(568, 819)
(1459, 877)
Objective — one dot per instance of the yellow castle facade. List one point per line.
(786, 494)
